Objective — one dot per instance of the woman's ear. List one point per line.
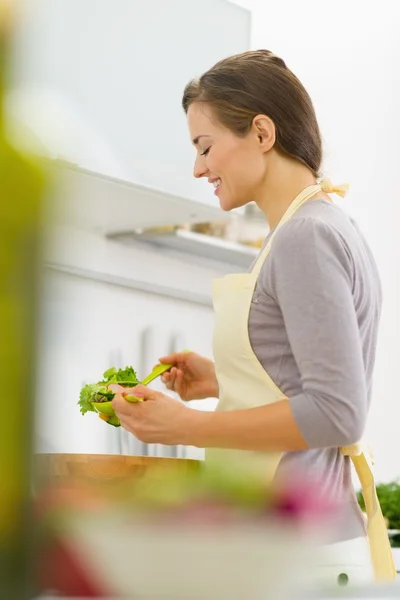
(264, 128)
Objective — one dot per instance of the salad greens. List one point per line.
(99, 392)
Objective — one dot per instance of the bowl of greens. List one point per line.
(97, 397)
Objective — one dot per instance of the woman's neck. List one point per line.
(284, 179)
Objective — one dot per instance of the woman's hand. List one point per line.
(192, 376)
(159, 419)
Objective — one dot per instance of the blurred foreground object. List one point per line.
(21, 190)
(118, 526)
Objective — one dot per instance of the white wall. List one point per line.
(348, 54)
(112, 73)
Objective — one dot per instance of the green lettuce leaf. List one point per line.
(93, 392)
(99, 392)
(125, 376)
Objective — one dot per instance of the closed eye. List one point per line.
(205, 151)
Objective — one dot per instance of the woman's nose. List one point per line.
(200, 169)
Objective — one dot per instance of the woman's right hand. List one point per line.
(192, 376)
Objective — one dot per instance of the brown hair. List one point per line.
(257, 82)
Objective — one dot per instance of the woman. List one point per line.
(295, 337)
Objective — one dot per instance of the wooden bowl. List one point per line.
(97, 468)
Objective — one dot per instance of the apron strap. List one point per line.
(325, 186)
(381, 552)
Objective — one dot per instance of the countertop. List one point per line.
(370, 593)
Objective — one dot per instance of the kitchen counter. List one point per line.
(370, 593)
(374, 592)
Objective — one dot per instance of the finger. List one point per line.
(171, 359)
(139, 391)
(174, 358)
(168, 375)
(170, 382)
(115, 387)
(131, 391)
(120, 405)
(179, 381)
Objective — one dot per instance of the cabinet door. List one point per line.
(89, 326)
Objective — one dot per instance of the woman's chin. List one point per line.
(225, 203)
(228, 204)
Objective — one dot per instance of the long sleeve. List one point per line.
(312, 282)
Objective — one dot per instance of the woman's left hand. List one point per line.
(159, 419)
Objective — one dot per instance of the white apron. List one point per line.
(244, 383)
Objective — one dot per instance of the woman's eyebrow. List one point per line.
(196, 139)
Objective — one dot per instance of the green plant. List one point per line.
(389, 498)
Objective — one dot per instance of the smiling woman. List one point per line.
(221, 108)
(295, 337)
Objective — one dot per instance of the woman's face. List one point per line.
(234, 165)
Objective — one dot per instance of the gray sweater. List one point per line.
(313, 325)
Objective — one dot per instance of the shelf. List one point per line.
(90, 200)
(127, 212)
(195, 245)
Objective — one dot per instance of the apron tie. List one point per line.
(328, 187)
(381, 552)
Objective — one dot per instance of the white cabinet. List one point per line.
(108, 205)
(102, 81)
(90, 325)
(109, 305)
(97, 85)
(123, 211)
